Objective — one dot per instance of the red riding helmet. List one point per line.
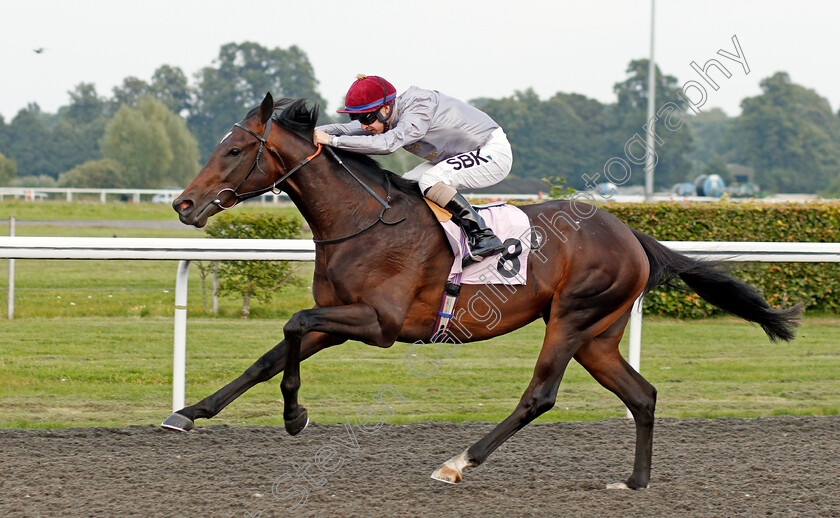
(367, 94)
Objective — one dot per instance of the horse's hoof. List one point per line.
(178, 423)
(298, 424)
(623, 485)
(451, 470)
(447, 474)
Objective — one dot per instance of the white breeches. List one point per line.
(486, 166)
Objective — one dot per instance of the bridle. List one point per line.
(237, 197)
(274, 188)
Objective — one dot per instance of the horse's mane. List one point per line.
(296, 116)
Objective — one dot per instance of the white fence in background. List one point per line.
(186, 250)
(104, 195)
(168, 195)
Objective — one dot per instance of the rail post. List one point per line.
(11, 298)
(634, 353)
(179, 354)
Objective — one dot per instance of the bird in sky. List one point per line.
(39, 50)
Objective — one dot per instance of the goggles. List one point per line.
(366, 119)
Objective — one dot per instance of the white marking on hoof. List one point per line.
(451, 471)
(444, 474)
(618, 485)
(622, 485)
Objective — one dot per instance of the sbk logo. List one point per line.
(467, 160)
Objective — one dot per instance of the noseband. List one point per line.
(237, 197)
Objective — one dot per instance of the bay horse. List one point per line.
(381, 261)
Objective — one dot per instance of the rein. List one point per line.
(237, 197)
(385, 207)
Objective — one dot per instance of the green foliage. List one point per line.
(244, 73)
(184, 165)
(788, 135)
(85, 105)
(97, 174)
(8, 170)
(558, 188)
(791, 137)
(570, 135)
(833, 190)
(253, 279)
(139, 146)
(169, 86)
(78, 129)
(783, 284)
(554, 137)
(713, 135)
(629, 116)
(28, 135)
(152, 145)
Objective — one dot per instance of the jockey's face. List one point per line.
(376, 127)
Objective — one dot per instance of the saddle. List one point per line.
(510, 267)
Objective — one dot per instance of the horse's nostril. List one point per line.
(182, 206)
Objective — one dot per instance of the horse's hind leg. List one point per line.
(558, 347)
(602, 359)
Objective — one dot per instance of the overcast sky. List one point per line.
(467, 49)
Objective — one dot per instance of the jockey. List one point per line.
(463, 147)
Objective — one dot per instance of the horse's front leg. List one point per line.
(268, 366)
(353, 322)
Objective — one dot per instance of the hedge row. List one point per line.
(783, 284)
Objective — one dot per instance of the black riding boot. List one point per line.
(481, 242)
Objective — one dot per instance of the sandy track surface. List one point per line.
(776, 466)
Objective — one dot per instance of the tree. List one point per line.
(97, 174)
(152, 145)
(833, 190)
(549, 138)
(78, 128)
(169, 86)
(129, 93)
(85, 105)
(5, 137)
(253, 279)
(29, 144)
(184, 165)
(244, 73)
(8, 170)
(713, 134)
(139, 146)
(629, 116)
(790, 135)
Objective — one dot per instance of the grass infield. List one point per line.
(91, 344)
(67, 371)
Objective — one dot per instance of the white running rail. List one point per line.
(186, 250)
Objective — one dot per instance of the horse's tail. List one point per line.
(718, 288)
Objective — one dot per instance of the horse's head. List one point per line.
(247, 162)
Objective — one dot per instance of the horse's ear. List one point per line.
(266, 108)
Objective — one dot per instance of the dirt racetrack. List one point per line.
(776, 466)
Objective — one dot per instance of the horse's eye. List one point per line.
(234, 152)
